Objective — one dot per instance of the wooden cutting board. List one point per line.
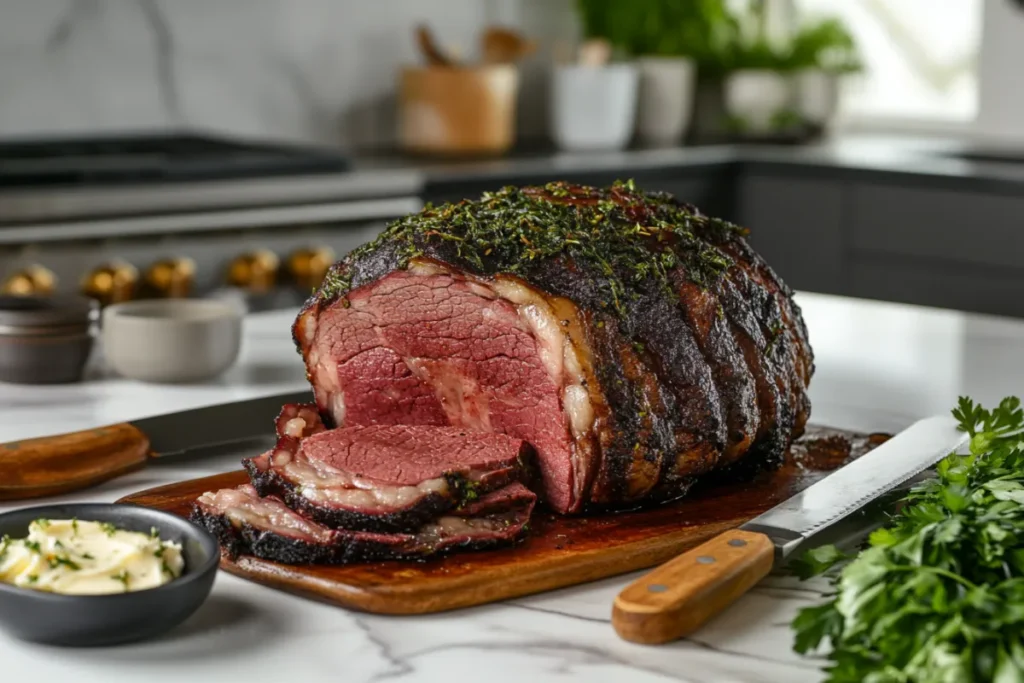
(560, 551)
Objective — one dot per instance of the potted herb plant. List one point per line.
(673, 41)
(759, 90)
(821, 54)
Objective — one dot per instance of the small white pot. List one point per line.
(755, 96)
(593, 107)
(817, 96)
(665, 106)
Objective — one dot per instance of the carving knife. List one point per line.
(675, 599)
(62, 463)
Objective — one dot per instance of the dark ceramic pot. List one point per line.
(45, 340)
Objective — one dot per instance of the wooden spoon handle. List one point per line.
(68, 462)
(675, 599)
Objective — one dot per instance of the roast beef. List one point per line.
(266, 527)
(385, 478)
(635, 342)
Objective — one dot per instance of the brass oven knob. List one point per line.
(33, 280)
(308, 267)
(171, 278)
(255, 271)
(111, 283)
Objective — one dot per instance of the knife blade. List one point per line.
(678, 597)
(62, 463)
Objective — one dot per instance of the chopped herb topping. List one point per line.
(108, 528)
(159, 552)
(31, 578)
(74, 526)
(123, 577)
(166, 568)
(154, 532)
(42, 523)
(629, 236)
(33, 546)
(88, 556)
(56, 561)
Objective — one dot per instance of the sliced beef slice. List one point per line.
(387, 478)
(247, 524)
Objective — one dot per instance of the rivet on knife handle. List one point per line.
(50, 465)
(675, 599)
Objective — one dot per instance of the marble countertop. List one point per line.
(879, 367)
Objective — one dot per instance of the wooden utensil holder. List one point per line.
(458, 110)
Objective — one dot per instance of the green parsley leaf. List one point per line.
(816, 561)
(108, 528)
(937, 594)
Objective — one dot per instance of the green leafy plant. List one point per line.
(938, 594)
(703, 30)
(826, 44)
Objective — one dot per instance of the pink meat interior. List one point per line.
(406, 455)
(435, 350)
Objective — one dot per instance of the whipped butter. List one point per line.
(76, 557)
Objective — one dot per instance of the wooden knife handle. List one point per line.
(677, 598)
(68, 462)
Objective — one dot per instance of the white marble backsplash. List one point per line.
(306, 70)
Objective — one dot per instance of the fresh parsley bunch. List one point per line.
(938, 594)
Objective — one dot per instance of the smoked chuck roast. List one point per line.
(637, 344)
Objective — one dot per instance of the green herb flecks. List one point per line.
(57, 561)
(938, 594)
(628, 236)
(108, 528)
(33, 546)
(42, 523)
(5, 543)
(123, 577)
(32, 578)
(74, 526)
(154, 532)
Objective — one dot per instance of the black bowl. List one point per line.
(92, 620)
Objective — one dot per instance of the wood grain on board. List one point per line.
(559, 551)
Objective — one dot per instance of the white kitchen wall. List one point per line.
(307, 70)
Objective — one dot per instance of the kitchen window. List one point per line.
(921, 59)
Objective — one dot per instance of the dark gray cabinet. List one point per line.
(937, 247)
(796, 223)
(933, 223)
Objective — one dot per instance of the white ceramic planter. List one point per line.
(817, 96)
(593, 107)
(755, 96)
(665, 102)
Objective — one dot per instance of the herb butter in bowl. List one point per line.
(97, 574)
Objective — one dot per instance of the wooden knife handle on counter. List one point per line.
(51, 465)
(676, 599)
